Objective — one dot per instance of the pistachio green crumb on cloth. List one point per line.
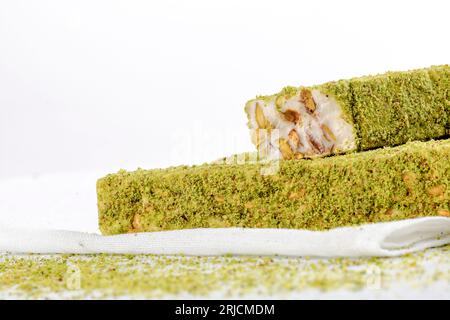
(352, 115)
(407, 181)
(419, 275)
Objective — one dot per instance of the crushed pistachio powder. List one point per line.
(149, 276)
(387, 184)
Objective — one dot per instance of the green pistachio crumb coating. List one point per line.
(397, 107)
(407, 181)
(440, 76)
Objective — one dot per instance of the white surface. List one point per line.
(34, 209)
(108, 84)
(56, 201)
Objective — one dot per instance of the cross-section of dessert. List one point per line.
(352, 115)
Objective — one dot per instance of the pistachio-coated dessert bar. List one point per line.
(385, 184)
(352, 115)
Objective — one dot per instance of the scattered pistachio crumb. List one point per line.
(148, 276)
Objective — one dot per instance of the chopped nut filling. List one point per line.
(308, 124)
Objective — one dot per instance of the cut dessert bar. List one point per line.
(352, 115)
(385, 184)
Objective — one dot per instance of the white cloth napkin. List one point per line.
(378, 239)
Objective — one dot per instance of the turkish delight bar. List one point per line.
(352, 115)
(385, 184)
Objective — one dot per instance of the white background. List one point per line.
(103, 85)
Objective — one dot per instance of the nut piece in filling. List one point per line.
(317, 146)
(285, 149)
(294, 138)
(307, 99)
(328, 134)
(292, 116)
(260, 118)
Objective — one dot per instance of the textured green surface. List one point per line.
(397, 107)
(440, 76)
(393, 108)
(380, 185)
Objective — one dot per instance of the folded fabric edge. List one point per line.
(370, 240)
(418, 235)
